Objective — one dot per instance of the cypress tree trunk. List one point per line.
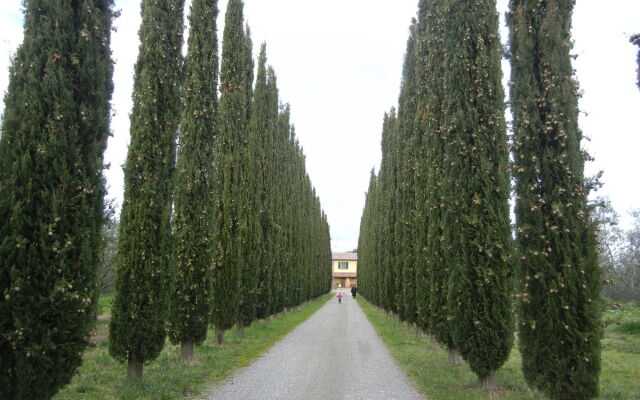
(186, 351)
(134, 368)
(454, 357)
(240, 328)
(141, 305)
(54, 132)
(475, 186)
(219, 336)
(194, 201)
(559, 276)
(488, 382)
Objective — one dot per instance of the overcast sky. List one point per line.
(339, 65)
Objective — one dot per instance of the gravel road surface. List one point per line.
(335, 354)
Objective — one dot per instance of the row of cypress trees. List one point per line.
(247, 236)
(436, 246)
(225, 229)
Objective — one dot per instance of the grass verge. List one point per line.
(438, 380)
(101, 377)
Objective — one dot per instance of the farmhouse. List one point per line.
(345, 270)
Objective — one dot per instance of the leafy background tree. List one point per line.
(619, 251)
(107, 265)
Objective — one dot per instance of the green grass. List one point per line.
(100, 377)
(105, 302)
(438, 380)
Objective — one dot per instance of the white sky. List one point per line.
(339, 65)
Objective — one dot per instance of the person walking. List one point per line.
(339, 296)
(354, 290)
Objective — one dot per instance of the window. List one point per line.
(343, 265)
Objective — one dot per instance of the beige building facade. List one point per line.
(345, 270)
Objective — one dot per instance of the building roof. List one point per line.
(345, 275)
(345, 256)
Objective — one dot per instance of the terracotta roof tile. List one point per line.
(345, 256)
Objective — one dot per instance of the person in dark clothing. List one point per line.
(354, 290)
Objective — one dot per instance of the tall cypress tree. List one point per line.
(250, 208)
(193, 215)
(433, 269)
(54, 132)
(559, 277)
(475, 186)
(256, 274)
(228, 181)
(140, 311)
(387, 190)
(405, 230)
(275, 142)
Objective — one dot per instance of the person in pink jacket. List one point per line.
(339, 296)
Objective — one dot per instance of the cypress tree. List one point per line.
(54, 132)
(288, 237)
(250, 207)
(287, 197)
(254, 255)
(433, 269)
(140, 311)
(274, 264)
(387, 177)
(366, 268)
(405, 229)
(193, 215)
(228, 178)
(377, 278)
(559, 277)
(475, 186)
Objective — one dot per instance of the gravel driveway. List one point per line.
(335, 354)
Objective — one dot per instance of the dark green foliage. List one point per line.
(433, 268)
(405, 226)
(231, 141)
(141, 305)
(194, 201)
(250, 207)
(560, 283)
(367, 246)
(475, 185)
(54, 132)
(256, 274)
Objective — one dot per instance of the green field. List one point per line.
(438, 380)
(102, 378)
